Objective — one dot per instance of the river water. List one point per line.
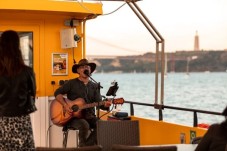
(204, 91)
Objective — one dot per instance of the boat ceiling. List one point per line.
(75, 9)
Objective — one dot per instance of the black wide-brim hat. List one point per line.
(83, 62)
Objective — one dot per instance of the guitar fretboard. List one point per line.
(90, 105)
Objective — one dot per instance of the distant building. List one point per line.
(196, 43)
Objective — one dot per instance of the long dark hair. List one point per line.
(11, 61)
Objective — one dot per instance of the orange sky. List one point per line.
(122, 33)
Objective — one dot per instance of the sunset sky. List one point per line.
(122, 33)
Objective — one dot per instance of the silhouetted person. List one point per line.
(215, 138)
(17, 84)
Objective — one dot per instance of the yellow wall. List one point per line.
(46, 26)
(46, 41)
(154, 132)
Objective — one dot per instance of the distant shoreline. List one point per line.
(180, 61)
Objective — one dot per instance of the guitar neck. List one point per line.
(90, 105)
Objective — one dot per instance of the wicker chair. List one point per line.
(117, 132)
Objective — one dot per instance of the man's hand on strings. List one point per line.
(108, 103)
(68, 108)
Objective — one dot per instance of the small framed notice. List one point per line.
(59, 63)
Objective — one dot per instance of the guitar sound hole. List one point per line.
(75, 108)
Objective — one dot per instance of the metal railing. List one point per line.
(161, 107)
(160, 48)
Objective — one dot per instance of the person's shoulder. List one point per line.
(28, 69)
(74, 80)
(214, 126)
(93, 84)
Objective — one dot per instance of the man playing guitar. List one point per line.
(82, 88)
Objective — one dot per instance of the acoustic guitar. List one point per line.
(59, 116)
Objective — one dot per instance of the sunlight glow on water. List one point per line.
(204, 91)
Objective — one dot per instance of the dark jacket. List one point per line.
(215, 139)
(14, 93)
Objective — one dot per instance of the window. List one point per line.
(26, 43)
